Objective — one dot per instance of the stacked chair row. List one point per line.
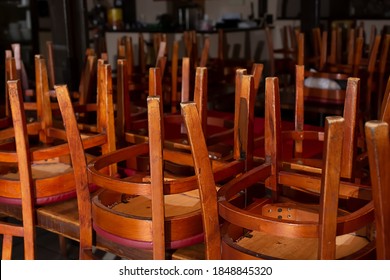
(163, 195)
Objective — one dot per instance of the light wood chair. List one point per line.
(303, 144)
(37, 178)
(303, 139)
(326, 83)
(150, 209)
(126, 109)
(142, 186)
(219, 130)
(281, 61)
(384, 116)
(271, 225)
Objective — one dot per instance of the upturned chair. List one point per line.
(152, 209)
(121, 212)
(378, 147)
(217, 128)
(303, 144)
(282, 60)
(271, 225)
(325, 86)
(384, 116)
(350, 114)
(37, 178)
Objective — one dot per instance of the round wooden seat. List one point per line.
(261, 245)
(130, 219)
(290, 231)
(58, 174)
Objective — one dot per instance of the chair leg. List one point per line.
(7, 247)
(63, 246)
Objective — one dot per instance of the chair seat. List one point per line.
(59, 173)
(267, 245)
(176, 204)
(298, 248)
(133, 214)
(43, 170)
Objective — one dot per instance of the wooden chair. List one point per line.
(382, 71)
(26, 230)
(369, 99)
(130, 227)
(180, 74)
(17, 70)
(137, 75)
(280, 60)
(131, 211)
(316, 60)
(37, 178)
(85, 94)
(142, 181)
(126, 109)
(302, 139)
(21, 70)
(222, 69)
(353, 64)
(219, 130)
(377, 135)
(190, 40)
(326, 83)
(87, 86)
(303, 144)
(51, 63)
(385, 105)
(272, 226)
(10, 71)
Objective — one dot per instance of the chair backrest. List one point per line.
(385, 105)
(370, 101)
(51, 64)
(123, 104)
(316, 42)
(350, 114)
(141, 54)
(27, 230)
(10, 74)
(77, 145)
(191, 46)
(126, 109)
(174, 76)
(378, 146)
(205, 52)
(270, 46)
(383, 61)
(20, 68)
(129, 55)
(42, 106)
(87, 86)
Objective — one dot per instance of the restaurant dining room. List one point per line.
(134, 132)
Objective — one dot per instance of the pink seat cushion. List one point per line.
(48, 199)
(148, 245)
